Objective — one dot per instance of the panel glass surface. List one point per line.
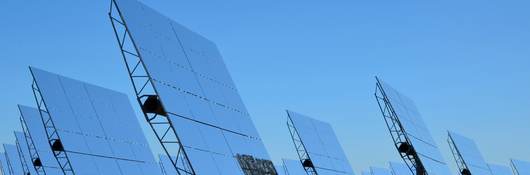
(470, 153)
(293, 167)
(4, 167)
(380, 171)
(321, 144)
(399, 168)
(23, 150)
(521, 167)
(417, 131)
(97, 127)
(195, 89)
(167, 166)
(500, 169)
(33, 122)
(13, 159)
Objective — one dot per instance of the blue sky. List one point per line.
(465, 63)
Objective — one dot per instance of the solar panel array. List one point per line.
(468, 151)
(500, 169)
(293, 167)
(36, 133)
(520, 167)
(13, 159)
(96, 126)
(195, 89)
(24, 155)
(321, 144)
(399, 169)
(417, 132)
(379, 171)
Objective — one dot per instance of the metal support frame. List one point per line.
(399, 136)
(514, 168)
(25, 167)
(460, 163)
(33, 152)
(299, 146)
(144, 88)
(51, 132)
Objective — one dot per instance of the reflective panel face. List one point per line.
(280, 169)
(520, 167)
(380, 171)
(321, 144)
(13, 159)
(97, 127)
(399, 169)
(500, 169)
(470, 154)
(37, 134)
(417, 132)
(4, 167)
(293, 167)
(195, 89)
(23, 151)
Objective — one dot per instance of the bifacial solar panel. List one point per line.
(97, 127)
(500, 169)
(37, 134)
(23, 152)
(468, 151)
(321, 144)
(4, 167)
(399, 169)
(167, 166)
(293, 167)
(417, 132)
(379, 171)
(520, 167)
(195, 90)
(13, 159)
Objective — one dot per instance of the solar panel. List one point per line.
(319, 142)
(23, 152)
(180, 79)
(293, 167)
(92, 130)
(500, 169)
(520, 167)
(467, 155)
(399, 169)
(379, 171)
(39, 149)
(409, 132)
(4, 167)
(13, 160)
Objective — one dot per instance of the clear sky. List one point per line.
(465, 63)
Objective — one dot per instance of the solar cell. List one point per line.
(97, 130)
(293, 167)
(417, 141)
(520, 167)
(320, 143)
(193, 88)
(467, 155)
(40, 150)
(4, 167)
(399, 169)
(379, 171)
(13, 159)
(500, 169)
(23, 152)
